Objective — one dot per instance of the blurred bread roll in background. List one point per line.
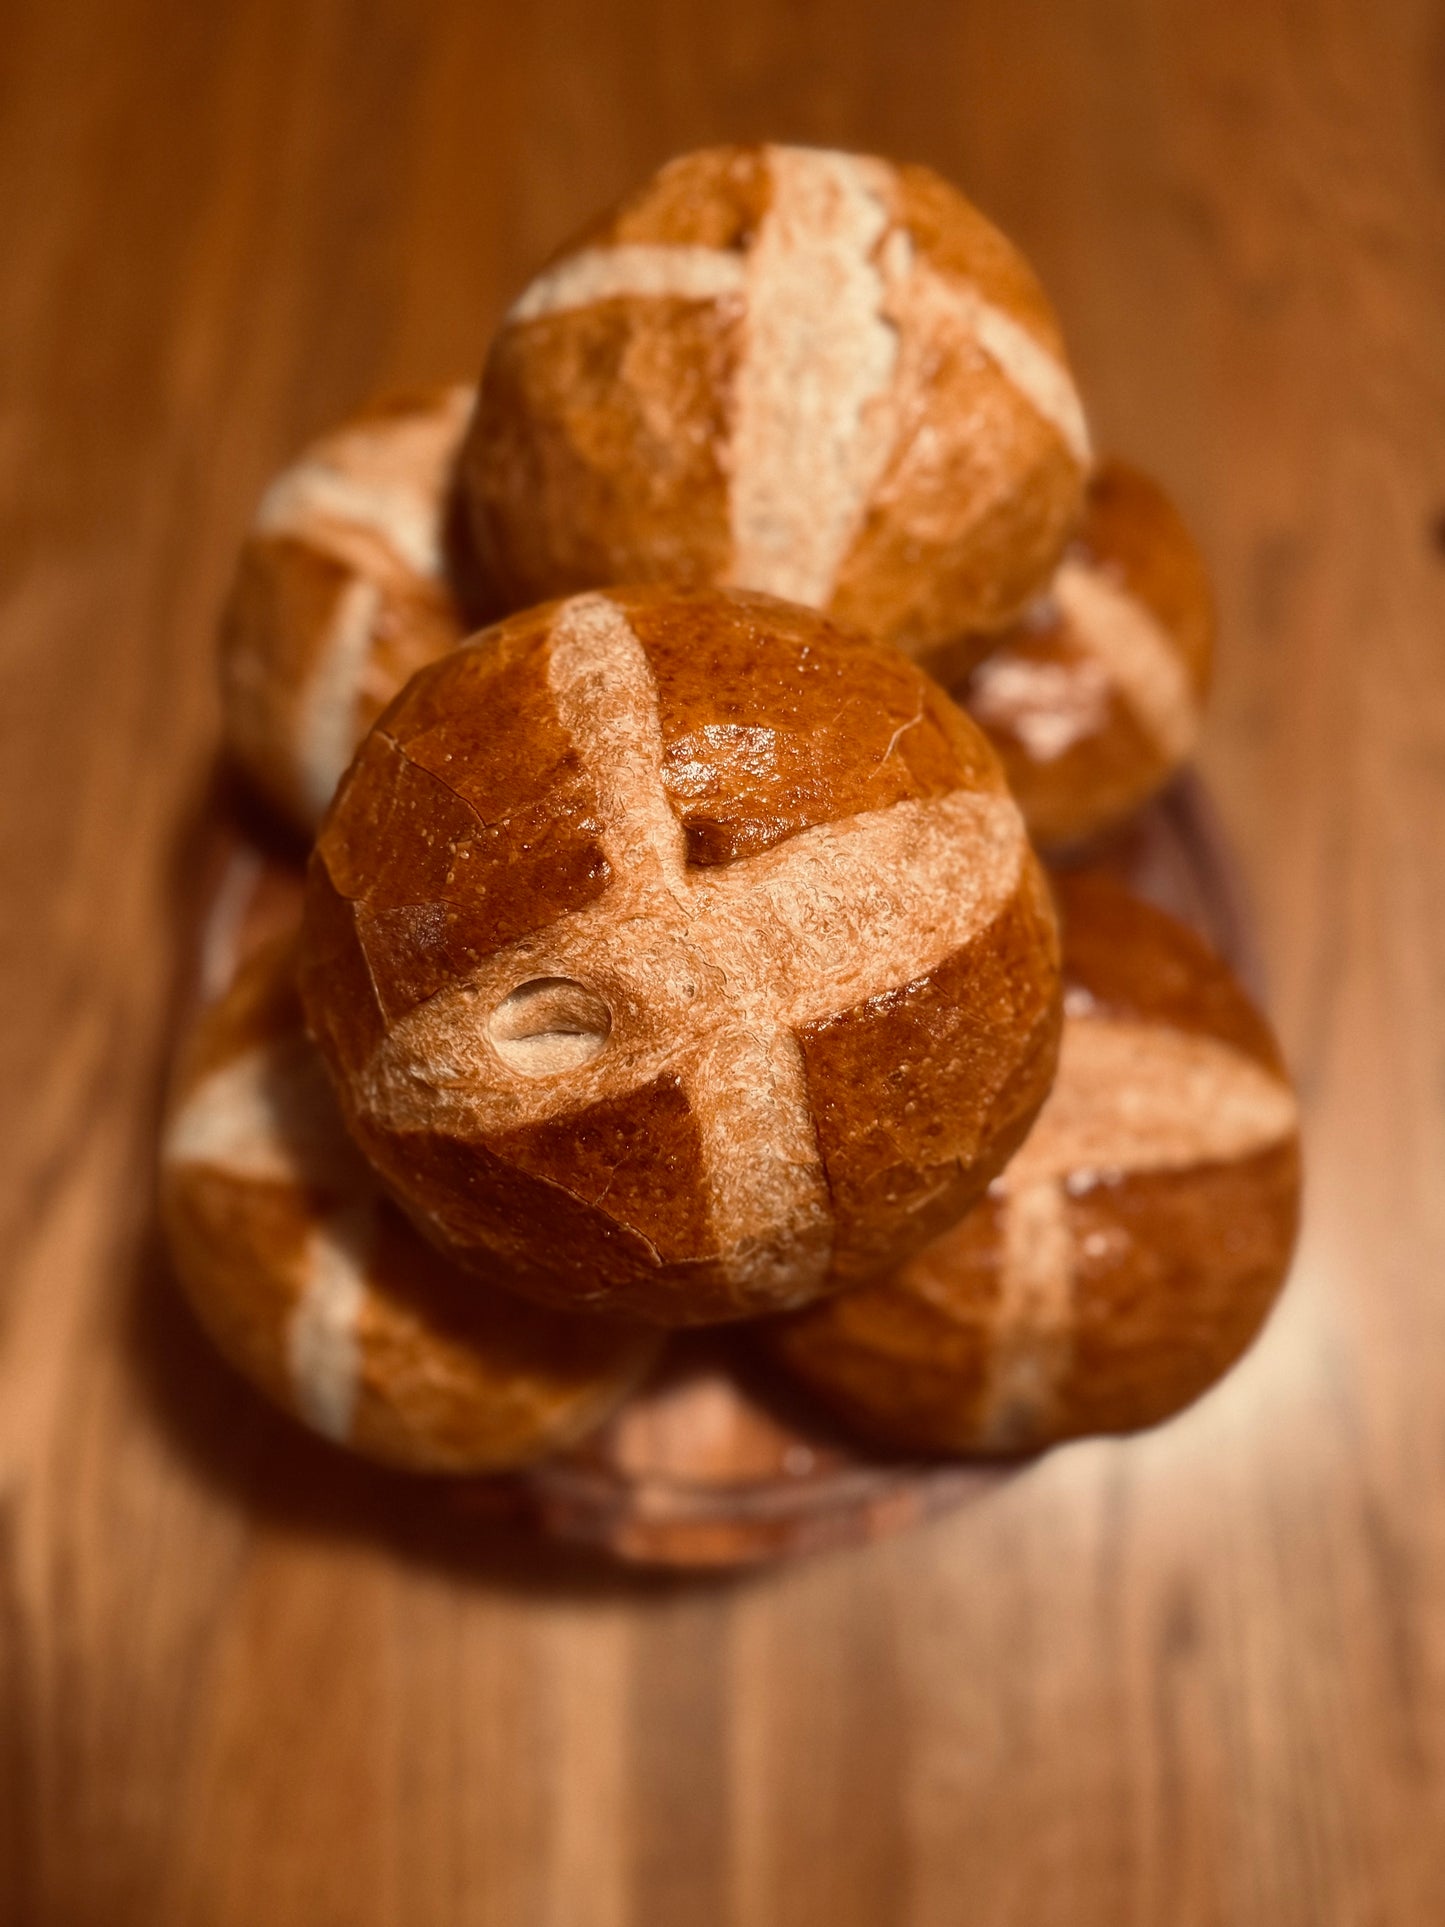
(314, 1286)
(341, 592)
(1095, 698)
(811, 373)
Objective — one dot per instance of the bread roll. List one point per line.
(1130, 1251)
(682, 952)
(815, 374)
(317, 1289)
(1095, 698)
(341, 592)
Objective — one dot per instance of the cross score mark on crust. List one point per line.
(707, 973)
(814, 415)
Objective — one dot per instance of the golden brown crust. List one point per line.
(810, 373)
(462, 825)
(314, 1287)
(956, 239)
(908, 581)
(341, 593)
(1110, 768)
(256, 1003)
(956, 1063)
(714, 197)
(1095, 697)
(1132, 530)
(952, 524)
(578, 976)
(1124, 958)
(283, 598)
(773, 720)
(236, 1250)
(641, 1152)
(1111, 1275)
(1159, 1322)
(605, 444)
(468, 1196)
(352, 1025)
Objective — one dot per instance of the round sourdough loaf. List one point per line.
(1132, 1248)
(315, 1287)
(1094, 699)
(815, 374)
(340, 594)
(682, 952)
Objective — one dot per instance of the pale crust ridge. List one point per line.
(221, 941)
(1038, 375)
(326, 710)
(708, 972)
(1134, 648)
(1032, 1344)
(323, 1333)
(636, 271)
(1049, 706)
(315, 503)
(1129, 1098)
(746, 1087)
(812, 421)
(380, 478)
(1133, 1097)
(267, 1116)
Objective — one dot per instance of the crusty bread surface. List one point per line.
(682, 953)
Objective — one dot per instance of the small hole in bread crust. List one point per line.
(549, 1024)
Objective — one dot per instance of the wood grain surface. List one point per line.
(1194, 1679)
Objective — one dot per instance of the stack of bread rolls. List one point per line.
(677, 950)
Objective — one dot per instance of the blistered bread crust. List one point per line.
(342, 590)
(680, 953)
(314, 1286)
(810, 373)
(1095, 698)
(1129, 1252)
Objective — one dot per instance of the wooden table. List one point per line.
(1198, 1678)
